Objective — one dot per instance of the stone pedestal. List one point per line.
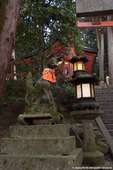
(88, 136)
(40, 114)
(44, 147)
(91, 157)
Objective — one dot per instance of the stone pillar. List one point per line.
(91, 157)
(110, 54)
(88, 136)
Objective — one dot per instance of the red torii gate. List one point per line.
(90, 25)
(96, 9)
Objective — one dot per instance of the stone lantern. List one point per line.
(78, 64)
(84, 84)
(86, 109)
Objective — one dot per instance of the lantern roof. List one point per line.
(84, 78)
(79, 58)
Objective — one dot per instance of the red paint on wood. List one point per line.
(90, 25)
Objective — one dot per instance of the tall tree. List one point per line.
(43, 21)
(9, 15)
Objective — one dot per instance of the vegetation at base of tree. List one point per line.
(63, 92)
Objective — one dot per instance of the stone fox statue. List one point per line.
(43, 85)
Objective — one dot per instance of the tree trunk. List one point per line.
(100, 43)
(9, 16)
(102, 59)
(110, 52)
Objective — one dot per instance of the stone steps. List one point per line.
(101, 100)
(107, 121)
(39, 131)
(107, 116)
(43, 162)
(106, 107)
(40, 147)
(104, 96)
(109, 126)
(111, 132)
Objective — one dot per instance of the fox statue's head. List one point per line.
(51, 61)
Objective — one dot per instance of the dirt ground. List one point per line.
(9, 112)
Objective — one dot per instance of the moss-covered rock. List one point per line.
(102, 147)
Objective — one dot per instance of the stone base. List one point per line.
(93, 158)
(38, 146)
(45, 107)
(47, 118)
(44, 147)
(45, 162)
(40, 114)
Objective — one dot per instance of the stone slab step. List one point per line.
(104, 87)
(104, 92)
(101, 100)
(106, 116)
(107, 121)
(108, 111)
(39, 131)
(42, 162)
(111, 132)
(106, 107)
(109, 126)
(15, 146)
(106, 104)
(98, 94)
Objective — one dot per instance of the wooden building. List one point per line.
(65, 69)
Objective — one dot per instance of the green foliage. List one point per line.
(64, 92)
(68, 89)
(14, 90)
(89, 35)
(42, 22)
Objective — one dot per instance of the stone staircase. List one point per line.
(42, 147)
(104, 96)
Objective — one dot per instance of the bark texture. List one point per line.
(9, 16)
(110, 52)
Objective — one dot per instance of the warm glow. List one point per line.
(79, 64)
(83, 66)
(92, 90)
(86, 90)
(66, 62)
(75, 66)
(60, 62)
(78, 91)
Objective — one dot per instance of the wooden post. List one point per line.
(12, 70)
(22, 74)
(63, 67)
(110, 53)
(101, 63)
